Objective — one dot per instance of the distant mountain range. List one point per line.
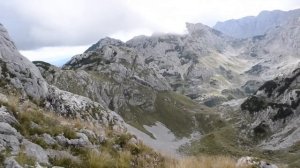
(256, 25)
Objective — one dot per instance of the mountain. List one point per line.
(203, 57)
(275, 53)
(203, 92)
(43, 125)
(251, 26)
(117, 76)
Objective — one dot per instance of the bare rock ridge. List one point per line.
(256, 25)
(190, 60)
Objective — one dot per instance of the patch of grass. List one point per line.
(44, 123)
(202, 162)
(65, 162)
(23, 159)
(220, 142)
(175, 111)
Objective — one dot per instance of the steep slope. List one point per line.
(256, 25)
(200, 64)
(274, 111)
(116, 75)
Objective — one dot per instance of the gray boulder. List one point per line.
(7, 129)
(48, 139)
(10, 142)
(10, 162)
(6, 117)
(36, 151)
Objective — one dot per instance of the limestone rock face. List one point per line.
(115, 76)
(71, 105)
(18, 70)
(274, 110)
(195, 64)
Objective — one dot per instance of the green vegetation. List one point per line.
(220, 142)
(131, 155)
(23, 159)
(175, 111)
(35, 122)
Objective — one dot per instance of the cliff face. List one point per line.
(274, 110)
(18, 70)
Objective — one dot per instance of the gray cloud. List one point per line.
(38, 23)
(34, 23)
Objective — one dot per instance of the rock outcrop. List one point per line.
(18, 70)
(274, 110)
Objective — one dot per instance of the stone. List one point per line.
(62, 140)
(6, 117)
(10, 162)
(10, 142)
(82, 141)
(35, 151)
(89, 133)
(252, 161)
(48, 139)
(7, 129)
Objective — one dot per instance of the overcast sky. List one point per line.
(55, 30)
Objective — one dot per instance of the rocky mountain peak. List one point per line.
(104, 42)
(200, 29)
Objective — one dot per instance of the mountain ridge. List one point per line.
(255, 25)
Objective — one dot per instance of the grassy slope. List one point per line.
(129, 155)
(226, 141)
(178, 113)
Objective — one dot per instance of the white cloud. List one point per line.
(171, 15)
(41, 23)
(65, 22)
(37, 23)
(54, 55)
